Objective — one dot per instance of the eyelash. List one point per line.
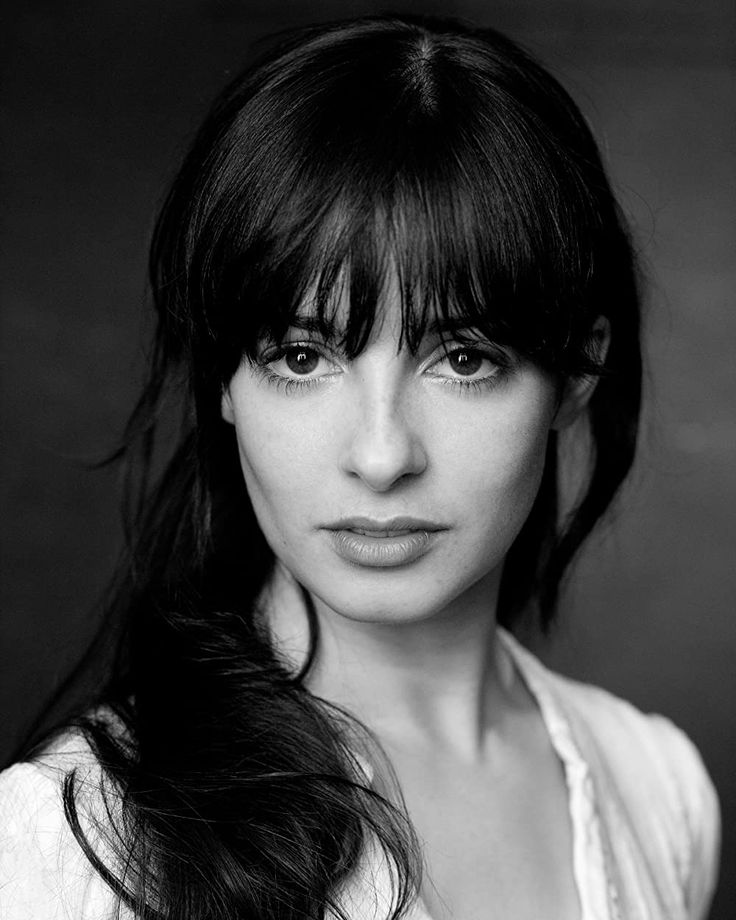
(293, 385)
(288, 384)
(501, 362)
(470, 386)
(280, 381)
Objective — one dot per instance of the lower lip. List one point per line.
(382, 551)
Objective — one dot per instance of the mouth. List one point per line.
(390, 527)
(371, 543)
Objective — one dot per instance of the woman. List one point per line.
(392, 287)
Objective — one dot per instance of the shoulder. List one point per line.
(643, 748)
(44, 872)
(656, 774)
(614, 721)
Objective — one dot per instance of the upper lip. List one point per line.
(387, 525)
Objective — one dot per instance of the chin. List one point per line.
(407, 594)
(392, 598)
(385, 614)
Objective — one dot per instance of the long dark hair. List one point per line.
(425, 147)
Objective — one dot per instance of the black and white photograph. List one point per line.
(368, 465)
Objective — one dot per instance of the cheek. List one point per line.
(485, 464)
(500, 468)
(281, 460)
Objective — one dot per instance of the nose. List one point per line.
(382, 447)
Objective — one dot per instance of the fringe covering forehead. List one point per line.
(399, 170)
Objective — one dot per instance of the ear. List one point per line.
(578, 390)
(226, 407)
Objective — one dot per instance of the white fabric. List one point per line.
(644, 814)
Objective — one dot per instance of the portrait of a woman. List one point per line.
(398, 311)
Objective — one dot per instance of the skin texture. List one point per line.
(411, 650)
(384, 435)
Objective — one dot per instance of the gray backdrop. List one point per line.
(98, 101)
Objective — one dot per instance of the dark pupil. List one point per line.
(466, 362)
(301, 360)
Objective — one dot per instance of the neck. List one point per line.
(438, 682)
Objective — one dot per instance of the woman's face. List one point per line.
(391, 484)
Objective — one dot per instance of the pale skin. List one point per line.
(411, 650)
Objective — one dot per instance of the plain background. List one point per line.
(98, 101)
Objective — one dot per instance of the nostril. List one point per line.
(382, 459)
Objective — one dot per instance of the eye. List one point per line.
(297, 364)
(466, 361)
(468, 364)
(300, 359)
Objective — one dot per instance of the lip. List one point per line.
(374, 543)
(384, 527)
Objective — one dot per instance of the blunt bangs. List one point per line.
(379, 163)
(407, 156)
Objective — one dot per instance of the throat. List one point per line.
(419, 691)
(497, 835)
(434, 681)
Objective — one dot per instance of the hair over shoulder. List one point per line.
(419, 147)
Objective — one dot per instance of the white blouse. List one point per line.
(644, 814)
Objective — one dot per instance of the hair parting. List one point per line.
(351, 156)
